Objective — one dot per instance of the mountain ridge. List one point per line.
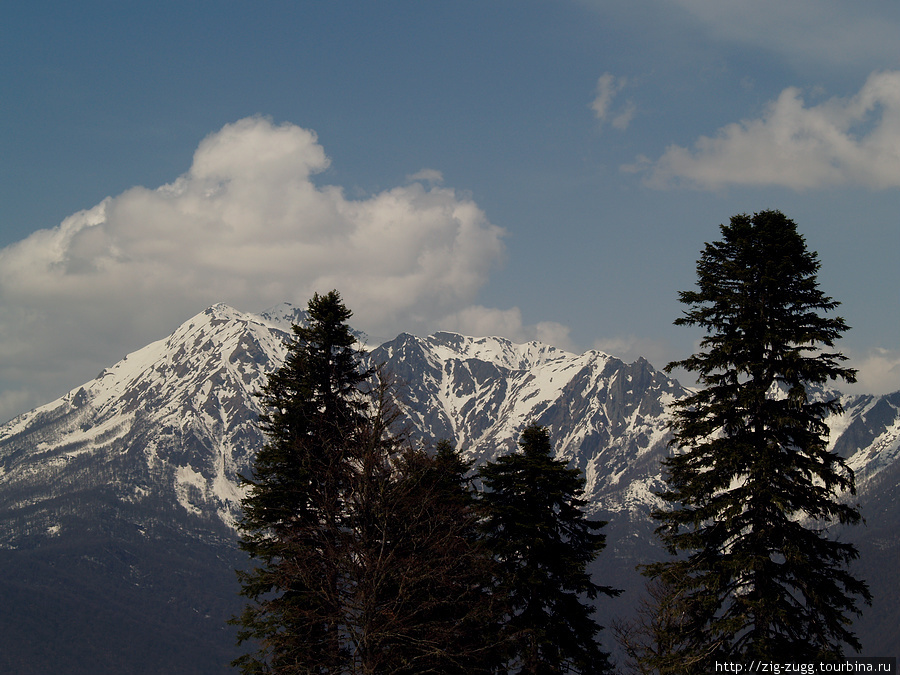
(189, 401)
(146, 458)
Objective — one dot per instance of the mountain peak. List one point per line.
(283, 316)
(497, 350)
(221, 310)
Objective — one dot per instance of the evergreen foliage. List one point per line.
(367, 551)
(753, 487)
(294, 517)
(543, 542)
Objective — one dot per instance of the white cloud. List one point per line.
(486, 321)
(246, 225)
(833, 32)
(878, 372)
(608, 87)
(630, 348)
(843, 141)
(623, 119)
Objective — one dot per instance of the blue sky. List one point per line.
(538, 170)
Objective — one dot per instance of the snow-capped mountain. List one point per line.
(133, 478)
(606, 417)
(175, 420)
(173, 424)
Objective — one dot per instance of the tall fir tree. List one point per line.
(366, 549)
(752, 487)
(543, 542)
(293, 514)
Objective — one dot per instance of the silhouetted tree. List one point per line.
(752, 486)
(543, 542)
(368, 559)
(294, 514)
(433, 584)
(648, 639)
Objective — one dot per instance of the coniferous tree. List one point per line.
(543, 542)
(293, 516)
(368, 560)
(752, 486)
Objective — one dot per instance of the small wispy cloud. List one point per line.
(842, 141)
(508, 323)
(878, 371)
(630, 348)
(432, 176)
(608, 87)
